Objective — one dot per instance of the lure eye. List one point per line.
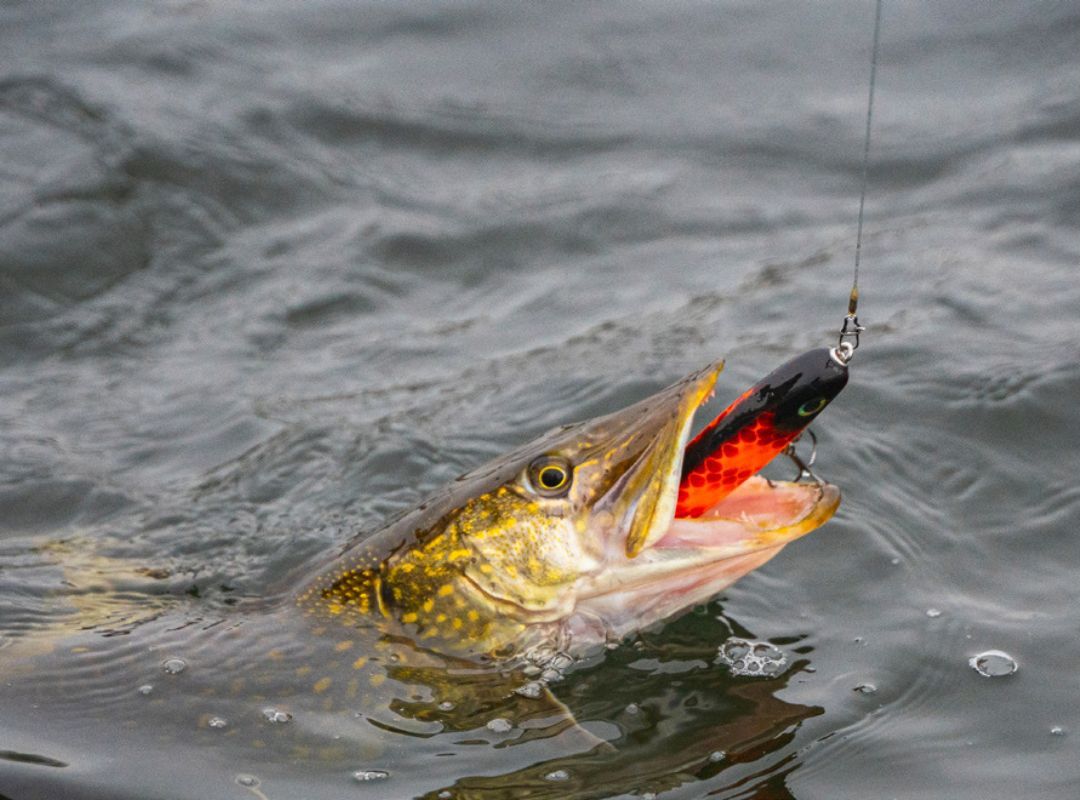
(550, 476)
(811, 407)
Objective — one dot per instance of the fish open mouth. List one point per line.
(760, 513)
(668, 563)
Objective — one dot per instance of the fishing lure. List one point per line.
(755, 428)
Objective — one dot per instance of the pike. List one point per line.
(456, 613)
(594, 530)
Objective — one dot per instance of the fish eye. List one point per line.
(811, 407)
(550, 476)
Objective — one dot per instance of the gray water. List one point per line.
(272, 272)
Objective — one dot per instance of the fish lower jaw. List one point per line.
(635, 605)
(698, 558)
(759, 514)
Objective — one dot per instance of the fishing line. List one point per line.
(848, 340)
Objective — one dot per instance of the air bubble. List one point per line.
(532, 690)
(445, 794)
(217, 722)
(446, 705)
(174, 666)
(1058, 730)
(993, 664)
(276, 716)
(933, 613)
(865, 688)
(717, 756)
(749, 658)
(500, 725)
(368, 775)
(247, 780)
(561, 661)
(633, 708)
(146, 688)
(557, 776)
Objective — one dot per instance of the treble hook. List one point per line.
(803, 466)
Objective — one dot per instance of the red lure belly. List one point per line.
(754, 429)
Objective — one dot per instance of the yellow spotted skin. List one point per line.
(428, 589)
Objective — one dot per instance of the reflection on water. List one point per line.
(664, 732)
(245, 693)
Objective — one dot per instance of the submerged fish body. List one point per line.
(459, 614)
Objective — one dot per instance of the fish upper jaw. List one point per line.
(642, 504)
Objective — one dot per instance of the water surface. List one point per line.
(270, 275)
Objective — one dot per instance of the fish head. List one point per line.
(579, 499)
(571, 538)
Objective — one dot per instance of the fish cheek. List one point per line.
(527, 560)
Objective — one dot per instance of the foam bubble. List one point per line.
(532, 690)
(276, 716)
(174, 666)
(750, 658)
(993, 664)
(367, 775)
(500, 725)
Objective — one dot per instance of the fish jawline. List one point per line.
(697, 558)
